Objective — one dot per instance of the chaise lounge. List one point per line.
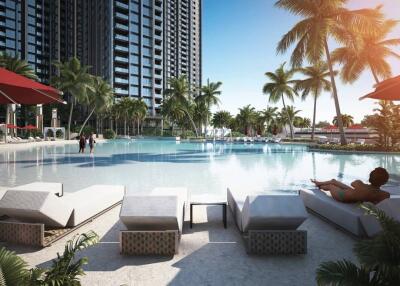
(269, 223)
(349, 217)
(40, 216)
(154, 222)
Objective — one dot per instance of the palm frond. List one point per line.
(342, 273)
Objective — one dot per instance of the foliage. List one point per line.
(65, 270)
(379, 258)
(322, 124)
(281, 85)
(49, 133)
(386, 122)
(347, 120)
(221, 119)
(109, 134)
(75, 81)
(364, 51)
(16, 65)
(59, 133)
(86, 130)
(301, 122)
(246, 119)
(237, 134)
(354, 147)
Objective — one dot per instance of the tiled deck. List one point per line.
(208, 255)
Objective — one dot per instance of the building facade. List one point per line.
(136, 45)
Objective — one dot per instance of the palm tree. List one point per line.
(200, 113)
(172, 112)
(209, 96)
(269, 115)
(179, 90)
(16, 65)
(246, 118)
(367, 51)
(280, 85)
(221, 119)
(314, 83)
(139, 112)
(322, 20)
(124, 108)
(347, 120)
(74, 80)
(379, 259)
(99, 99)
(288, 115)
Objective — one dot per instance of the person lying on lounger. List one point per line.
(358, 191)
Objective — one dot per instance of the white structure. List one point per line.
(54, 129)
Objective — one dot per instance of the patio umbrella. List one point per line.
(12, 126)
(29, 127)
(17, 89)
(386, 90)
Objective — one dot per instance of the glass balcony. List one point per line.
(121, 37)
(122, 16)
(121, 5)
(121, 70)
(121, 59)
(121, 48)
(121, 27)
(121, 80)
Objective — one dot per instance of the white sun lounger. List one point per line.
(269, 222)
(38, 217)
(154, 222)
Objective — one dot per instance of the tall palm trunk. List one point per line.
(374, 74)
(138, 127)
(86, 120)
(192, 123)
(124, 126)
(70, 119)
(343, 140)
(289, 119)
(314, 116)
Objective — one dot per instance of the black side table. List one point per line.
(206, 203)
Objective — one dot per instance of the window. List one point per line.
(146, 91)
(147, 31)
(146, 41)
(146, 21)
(135, 80)
(134, 90)
(135, 17)
(134, 69)
(147, 51)
(134, 38)
(135, 28)
(147, 71)
(134, 7)
(134, 59)
(146, 11)
(147, 61)
(147, 81)
(135, 48)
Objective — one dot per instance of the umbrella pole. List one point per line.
(6, 129)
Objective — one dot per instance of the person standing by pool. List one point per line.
(82, 144)
(91, 143)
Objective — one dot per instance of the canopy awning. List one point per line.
(17, 89)
(386, 90)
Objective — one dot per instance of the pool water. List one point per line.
(204, 168)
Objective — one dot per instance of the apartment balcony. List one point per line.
(121, 5)
(121, 70)
(121, 59)
(121, 38)
(122, 27)
(121, 80)
(121, 49)
(121, 16)
(121, 91)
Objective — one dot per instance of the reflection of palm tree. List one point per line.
(342, 160)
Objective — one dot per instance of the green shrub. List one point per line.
(237, 134)
(109, 134)
(87, 130)
(50, 133)
(353, 147)
(59, 133)
(151, 131)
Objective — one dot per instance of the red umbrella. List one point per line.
(17, 89)
(330, 127)
(12, 126)
(356, 126)
(386, 90)
(29, 127)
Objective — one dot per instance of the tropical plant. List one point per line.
(221, 119)
(109, 134)
(280, 86)
(270, 116)
(209, 96)
(379, 258)
(314, 84)
(179, 91)
(322, 124)
(16, 65)
(301, 122)
(139, 111)
(74, 80)
(200, 113)
(246, 118)
(65, 269)
(367, 51)
(100, 97)
(347, 120)
(320, 21)
(171, 111)
(288, 115)
(386, 122)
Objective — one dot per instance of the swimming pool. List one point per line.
(204, 168)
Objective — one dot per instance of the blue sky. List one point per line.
(239, 46)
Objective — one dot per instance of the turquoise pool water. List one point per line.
(204, 168)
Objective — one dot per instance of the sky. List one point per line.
(239, 46)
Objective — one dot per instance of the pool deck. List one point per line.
(208, 255)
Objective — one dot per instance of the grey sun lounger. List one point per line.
(349, 217)
(154, 222)
(269, 222)
(40, 217)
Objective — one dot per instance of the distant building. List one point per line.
(136, 45)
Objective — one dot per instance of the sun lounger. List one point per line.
(38, 217)
(349, 217)
(154, 222)
(269, 223)
(38, 139)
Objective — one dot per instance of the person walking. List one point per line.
(91, 143)
(82, 144)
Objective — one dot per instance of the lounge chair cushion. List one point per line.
(151, 213)
(344, 215)
(40, 187)
(267, 212)
(36, 207)
(91, 201)
(390, 206)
